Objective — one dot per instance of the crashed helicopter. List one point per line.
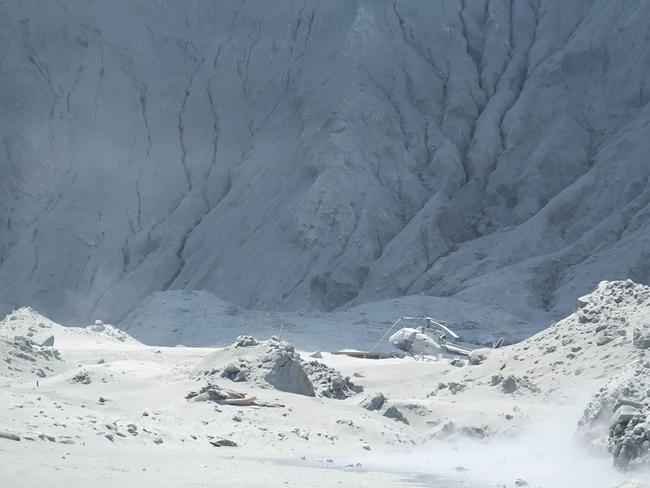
(424, 337)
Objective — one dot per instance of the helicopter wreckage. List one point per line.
(423, 336)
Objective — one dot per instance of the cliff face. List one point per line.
(317, 154)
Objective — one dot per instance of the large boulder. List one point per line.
(375, 402)
(478, 356)
(286, 373)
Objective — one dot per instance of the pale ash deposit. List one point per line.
(259, 411)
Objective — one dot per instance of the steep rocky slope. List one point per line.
(318, 154)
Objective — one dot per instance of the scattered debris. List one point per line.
(82, 377)
(510, 384)
(223, 443)
(453, 387)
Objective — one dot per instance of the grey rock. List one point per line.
(223, 443)
(478, 356)
(232, 369)
(286, 373)
(246, 341)
(82, 377)
(476, 432)
(9, 436)
(48, 341)
(455, 387)
(457, 362)
(624, 414)
(394, 413)
(375, 402)
(641, 338)
(618, 415)
(509, 384)
(604, 338)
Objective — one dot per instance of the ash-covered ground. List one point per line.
(566, 407)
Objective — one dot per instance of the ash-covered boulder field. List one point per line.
(315, 155)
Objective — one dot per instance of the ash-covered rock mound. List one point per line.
(576, 358)
(26, 322)
(23, 357)
(618, 417)
(275, 363)
(605, 334)
(27, 345)
(612, 330)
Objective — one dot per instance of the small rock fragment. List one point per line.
(223, 443)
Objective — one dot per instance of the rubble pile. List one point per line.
(108, 330)
(329, 382)
(618, 416)
(275, 363)
(21, 355)
(25, 348)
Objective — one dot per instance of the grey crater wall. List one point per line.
(292, 155)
